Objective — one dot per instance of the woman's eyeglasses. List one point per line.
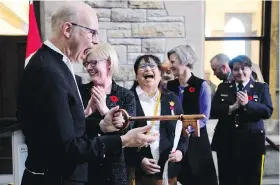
(92, 63)
(145, 65)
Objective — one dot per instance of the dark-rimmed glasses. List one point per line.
(94, 33)
(92, 63)
(145, 65)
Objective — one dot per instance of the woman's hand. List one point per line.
(99, 97)
(233, 107)
(175, 156)
(91, 108)
(242, 98)
(150, 166)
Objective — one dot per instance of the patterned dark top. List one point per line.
(111, 170)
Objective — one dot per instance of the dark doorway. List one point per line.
(12, 56)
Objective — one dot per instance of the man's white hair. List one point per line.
(66, 12)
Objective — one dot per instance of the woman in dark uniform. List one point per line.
(101, 64)
(195, 95)
(239, 138)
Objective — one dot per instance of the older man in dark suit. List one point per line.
(51, 111)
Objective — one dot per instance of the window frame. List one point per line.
(264, 39)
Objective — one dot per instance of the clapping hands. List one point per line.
(98, 97)
(242, 98)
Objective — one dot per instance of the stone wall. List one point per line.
(140, 27)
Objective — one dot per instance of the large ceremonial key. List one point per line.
(188, 120)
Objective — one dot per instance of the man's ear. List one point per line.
(67, 29)
(223, 67)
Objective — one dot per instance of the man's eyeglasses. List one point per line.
(145, 65)
(92, 63)
(94, 33)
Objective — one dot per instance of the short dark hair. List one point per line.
(147, 59)
(221, 57)
(242, 59)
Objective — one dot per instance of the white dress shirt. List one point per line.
(148, 105)
(66, 60)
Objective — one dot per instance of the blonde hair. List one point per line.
(106, 51)
(255, 68)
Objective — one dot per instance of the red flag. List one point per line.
(33, 37)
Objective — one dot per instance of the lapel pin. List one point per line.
(251, 86)
(255, 96)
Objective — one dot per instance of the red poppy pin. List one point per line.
(250, 98)
(114, 99)
(191, 89)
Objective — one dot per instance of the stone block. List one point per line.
(165, 19)
(125, 41)
(114, 25)
(108, 4)
(153, 45)
(134, 49)
(156, 29)
(103, 12)
(78, 67)
(128, 84)
(101, 19)
(102, 34)
(120, 83)
(131, 57)
(128, 15)
(121, 52)
(125, 73)
(119, 33)
(51, 6)
(146, 4)
(156, 13)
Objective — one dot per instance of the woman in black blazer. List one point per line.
(101, 64)
(195, 96)
(149, 162)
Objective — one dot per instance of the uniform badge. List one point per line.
(251, 86)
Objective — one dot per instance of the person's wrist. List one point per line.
(103, 111)
(101, 125)
(125, 140)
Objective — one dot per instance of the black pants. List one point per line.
(198, 165)
(30, 179)
(239, 170)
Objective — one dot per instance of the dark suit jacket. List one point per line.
(167, 133)
(244, 125)
(79, 80)
(53, 122)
